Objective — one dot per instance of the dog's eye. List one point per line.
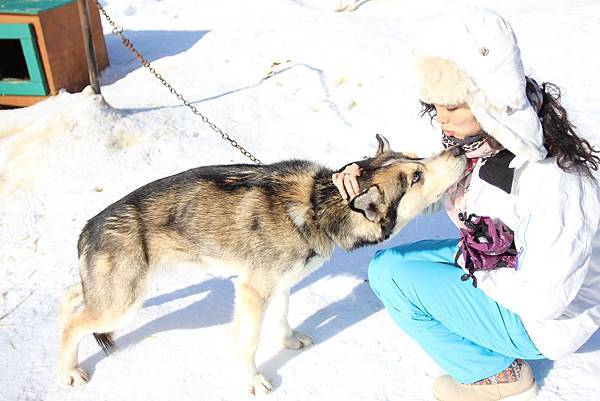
(416, 177)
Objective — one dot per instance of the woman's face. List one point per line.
(457, 121)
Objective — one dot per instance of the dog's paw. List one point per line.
(260, 385)
(297, 340)
(74, 377)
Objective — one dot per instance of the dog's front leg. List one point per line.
(250, 305)
(291, 339)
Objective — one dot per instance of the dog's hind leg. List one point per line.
(250, 305)
(113, 290)
(70, 302)
(291, 339)
(100, 323)
(76, 328)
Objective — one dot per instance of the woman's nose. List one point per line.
(441, 116)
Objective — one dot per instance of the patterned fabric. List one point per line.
(480, 149)
(468, 144)
(508, 375)
(475, 147)
(485, 245)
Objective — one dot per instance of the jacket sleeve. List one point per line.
(558, 218)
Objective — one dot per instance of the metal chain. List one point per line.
(117, 30)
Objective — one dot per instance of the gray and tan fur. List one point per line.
(269, 225)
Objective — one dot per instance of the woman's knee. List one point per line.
(386, 267)
(407, 268)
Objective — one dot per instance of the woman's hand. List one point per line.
(347, 181)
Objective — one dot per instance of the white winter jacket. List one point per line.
(471, 56)
(556, 287)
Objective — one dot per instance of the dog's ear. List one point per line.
(369, 203)
(384, 145)
(411, 155)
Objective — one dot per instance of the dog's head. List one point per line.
(397, 187)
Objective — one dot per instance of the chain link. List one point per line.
(117, 30)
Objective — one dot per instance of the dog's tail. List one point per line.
(70, 302)
(106, 342)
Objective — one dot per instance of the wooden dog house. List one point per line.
(42, 49)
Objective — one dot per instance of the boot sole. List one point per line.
(526, 395)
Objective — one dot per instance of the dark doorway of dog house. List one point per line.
(13, 64)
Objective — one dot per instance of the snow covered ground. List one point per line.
(343, 77)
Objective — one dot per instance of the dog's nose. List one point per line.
(457, 151)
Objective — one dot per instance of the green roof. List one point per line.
(30, 7)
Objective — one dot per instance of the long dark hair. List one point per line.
(573, 153)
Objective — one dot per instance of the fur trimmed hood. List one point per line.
(471, 56)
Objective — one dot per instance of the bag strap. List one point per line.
(469, 266)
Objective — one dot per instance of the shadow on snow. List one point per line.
(153, 45)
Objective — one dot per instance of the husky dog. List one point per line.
(270, 225)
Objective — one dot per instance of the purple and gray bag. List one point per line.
(485, 245)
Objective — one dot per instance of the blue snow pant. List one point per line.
(467, 333)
